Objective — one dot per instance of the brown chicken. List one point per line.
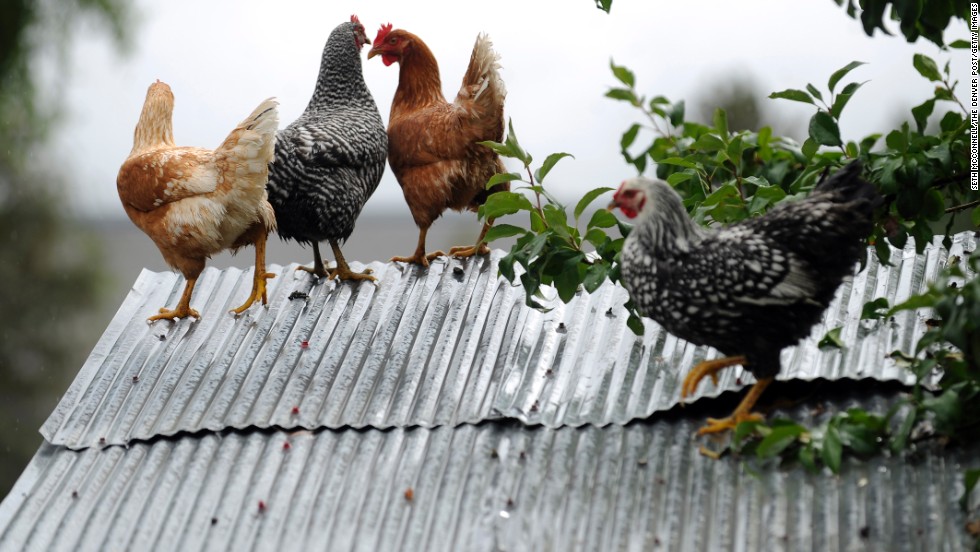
(195, 202)
(433, 145)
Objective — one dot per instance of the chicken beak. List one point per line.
(373, 52)
(612, 205)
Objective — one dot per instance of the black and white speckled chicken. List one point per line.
(749, 289)
(330, 160)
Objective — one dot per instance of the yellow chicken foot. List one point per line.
(317, 270)
(419, 257)
(469, 250)
(707, 368)
(742, 413)
(258, 281)
(343, 271)
(183, 309)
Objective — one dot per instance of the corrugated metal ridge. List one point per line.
(493, 486)
(448, 346)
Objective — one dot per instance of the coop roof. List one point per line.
(515, 429)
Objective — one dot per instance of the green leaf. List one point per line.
(947, 407)
(709, 143)
(601, 219)
(779, 439)
(959, 44)
(504, 203)
(814, 92)
(549, 163)
(604, 5)
(975, 216)
(764, 197)
(873, 310)
(623, 94)
(595, 276)
(926, 67)
(839, 74)
(792, 94)
(970, 480)
(537, 222)
(807, 458)
(623, 74)
(635, 324)
(831, 340)
(629, 137)
(676, 178)
(557, 219)
(831, 451)
(915, 302)
(898, 139)
(933, 205)
(499, 231)
(596, 237)
(498, 148)
(567, 280)
(502, 177)
(823, 129)
(901, 436)
(809, 148)
(587, 199)
(921, 114)
(676, 113)
(515, 147)
(845, 96)
(721, 122)
(861, 439)
(679, 162)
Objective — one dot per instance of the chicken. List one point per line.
(750, 289)
(433, 145)
(195, 202)
(330, 160)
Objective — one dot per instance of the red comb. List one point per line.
(382, 33)
(354, 19)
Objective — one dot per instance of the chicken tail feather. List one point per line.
(482, 83)
(253, 142)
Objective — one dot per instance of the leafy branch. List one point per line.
(553, 251)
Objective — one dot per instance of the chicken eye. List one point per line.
(393, 40)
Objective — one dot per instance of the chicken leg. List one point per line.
(419, 257)
(258, 281)
(343, 271)
(317, 269)
(479, 249)
(743, 412)
(183, 309)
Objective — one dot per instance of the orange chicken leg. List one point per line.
(258, 281)
(183, 309)
(479, 249)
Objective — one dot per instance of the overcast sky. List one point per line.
(223, 57)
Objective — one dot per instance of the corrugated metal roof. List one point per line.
(451, 345)
(494, 486)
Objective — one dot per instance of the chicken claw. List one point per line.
(183, 309)
(462, 252)
(743, 413)
(258, 291)
(419, 258)
(479, 249)
(343, 271)
(707, 368)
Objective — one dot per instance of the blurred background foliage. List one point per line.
(49, 269)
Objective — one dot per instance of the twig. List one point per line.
(963, 207)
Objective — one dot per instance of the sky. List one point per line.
(222, 57)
